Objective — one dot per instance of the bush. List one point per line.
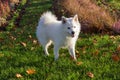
(4, 11)
(92, 17)
(6, 6)
(116, 27)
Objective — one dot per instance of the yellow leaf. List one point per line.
(13, 38)
(112, 37)
(30, 71)
(77, 53)
(34, 41)
(30, 36)
(91, 75)
(79, 63)
(23, 44)
(32, 48)
(19, 75)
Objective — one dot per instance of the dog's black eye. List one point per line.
(68, 27)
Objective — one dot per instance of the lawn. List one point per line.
(21, 56)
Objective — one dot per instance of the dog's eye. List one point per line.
(74, 26)
(68, 27)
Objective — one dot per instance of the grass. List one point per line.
(114, 4)
(20, 53)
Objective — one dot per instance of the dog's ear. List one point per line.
(75, 18)
(64, 20)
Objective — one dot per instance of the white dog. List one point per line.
(62, 33)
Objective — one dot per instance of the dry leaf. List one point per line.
(84, 52)
(12, 37)
(112, 37)
(24, 44)
(77, 53)
(96, 52)
(91, 75)
(115, 57)
(19, 75)
(32, 48)
(118, 48)
(79, 63)
(114, 42)
(34, 41)
(30, 36)
(30, 71)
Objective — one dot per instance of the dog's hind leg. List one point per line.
(46, 47)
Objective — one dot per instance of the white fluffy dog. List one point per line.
(62, 33)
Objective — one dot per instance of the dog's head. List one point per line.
(71, 25)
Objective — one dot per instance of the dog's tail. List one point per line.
(47, 18)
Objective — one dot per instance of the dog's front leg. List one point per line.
(56, 52)
(72, 52)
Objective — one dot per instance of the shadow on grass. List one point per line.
(40, 3)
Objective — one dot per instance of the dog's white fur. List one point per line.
(62, 33)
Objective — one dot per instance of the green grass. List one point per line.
(19, 52)
(113, 4)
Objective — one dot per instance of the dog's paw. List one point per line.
(73, 58)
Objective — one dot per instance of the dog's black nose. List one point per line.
(73, 32)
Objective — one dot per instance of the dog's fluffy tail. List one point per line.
(47, 18)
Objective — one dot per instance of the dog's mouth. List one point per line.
(72, 35)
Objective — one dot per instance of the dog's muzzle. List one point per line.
(72, 33)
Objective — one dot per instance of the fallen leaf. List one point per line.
(34, 41)
(112, 37)
(32, 48)
(118, 48)
(19, 75)
(115, 57)
(23, 44)
(77, 53)
(12, 37)
(30, 71)
(91, 75)
(79, 63)
(96, 52)
(84, 52)
(30, 36)
(114, 42)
